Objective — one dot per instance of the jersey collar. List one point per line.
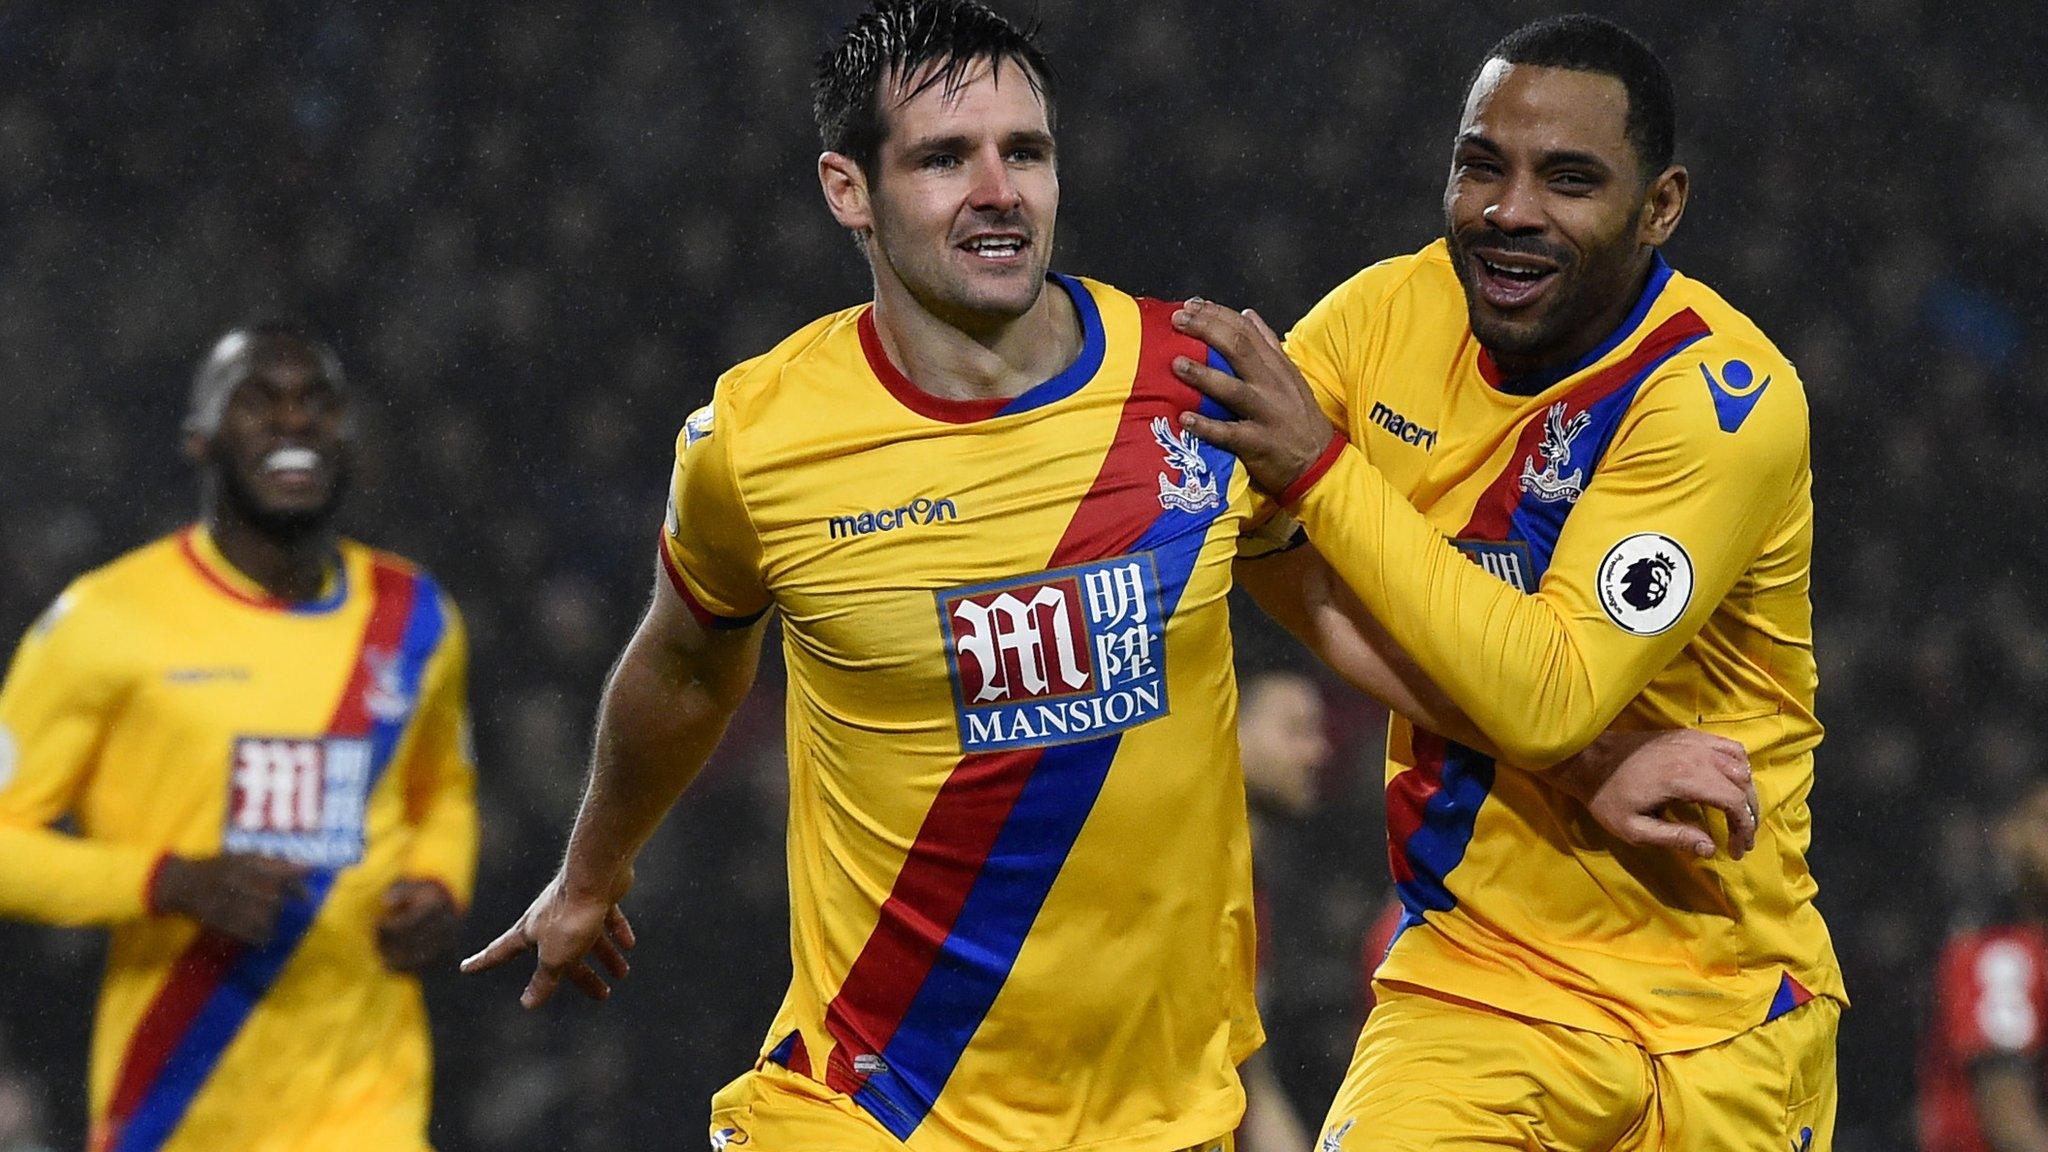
(1068, 382)
(1530, 383)
(205, 556)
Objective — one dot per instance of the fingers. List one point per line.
(541, 988)
(1225, 434)
(512, 943)
(1219, 327)
(615, 922)
(608, 954)
(1258, 322)
(1219, 386)
(1653, 832)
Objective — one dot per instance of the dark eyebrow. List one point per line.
(1473, 138)
(941, 144)
(1029, 138)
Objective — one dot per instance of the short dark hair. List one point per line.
(211, 380)
(1585, 43)
(901, 38)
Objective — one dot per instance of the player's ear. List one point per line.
(1664, 204)
(846, 191)
(194, 446)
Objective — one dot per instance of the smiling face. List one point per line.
(272, 429)
(1550, 219)
(959, 203)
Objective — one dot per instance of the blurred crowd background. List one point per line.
(538, 233)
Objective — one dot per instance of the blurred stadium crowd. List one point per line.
(538, 233)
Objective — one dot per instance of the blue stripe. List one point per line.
(1084, 367)
(1534, 382)
(221, 1018)
(781, 1053)
(218, 1022)
(1785, 1001)
(976, 958)
(425, 623)
(1438, 844)
(1540, 522)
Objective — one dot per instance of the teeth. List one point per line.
(994, 246)
(291, 460)
(1508, 270)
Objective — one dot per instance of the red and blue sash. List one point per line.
(217, 983)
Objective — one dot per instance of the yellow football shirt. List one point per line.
(166, 705)
(1626, 539)
(1021, 912)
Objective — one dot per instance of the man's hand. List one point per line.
(418, 925)
(232, 893)
(565, 928)
(1627, 778)
(1279, 433)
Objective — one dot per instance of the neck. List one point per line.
(974, 358)
(294, 569)
(1595, 330)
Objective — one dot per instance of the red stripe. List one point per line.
(1799, 993)
(1124, 500)
(1407, 796)
(1497, 505)
(972, 806)
(199, 970)
(704, 616)
(959, 830)
(799, 1056)
(196, 974)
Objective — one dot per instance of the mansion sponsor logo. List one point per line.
(298, 800)
(1056, 657)
(922, 510)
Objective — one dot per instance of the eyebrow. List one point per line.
(1474, 138)
(963, 143)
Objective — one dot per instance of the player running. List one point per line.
(1019, 866)
(1622, 457)
(1983, 1082)
(259, 731)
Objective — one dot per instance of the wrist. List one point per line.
(158, 888)
(1323, 462)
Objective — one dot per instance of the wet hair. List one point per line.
(912, 46)
(215, 378)
(1586, 43)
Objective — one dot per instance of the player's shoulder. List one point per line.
(411, 573)
(117, 599)
(1425, 274)
(744, 390)
(1725, 378)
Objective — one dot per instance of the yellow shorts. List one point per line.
(1436, 1073)
(772, 1109)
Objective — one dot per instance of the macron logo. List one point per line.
(922, 510)
(1403, 429)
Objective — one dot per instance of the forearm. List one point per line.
(663, 712)
(1301, 593)
(1503, 659)
(69, 881)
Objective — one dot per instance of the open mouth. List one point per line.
(292, 465)
(996, 247)
(1511, 280)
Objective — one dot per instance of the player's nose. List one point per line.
(995, 186)
(1517, 207)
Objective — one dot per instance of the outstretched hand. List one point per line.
(565, 929)
(1627, 779)
(1279, 433)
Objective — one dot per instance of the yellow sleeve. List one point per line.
(709, 547)
(441, 779)
(1328, 345)
(60, 694)
(1675, 514)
